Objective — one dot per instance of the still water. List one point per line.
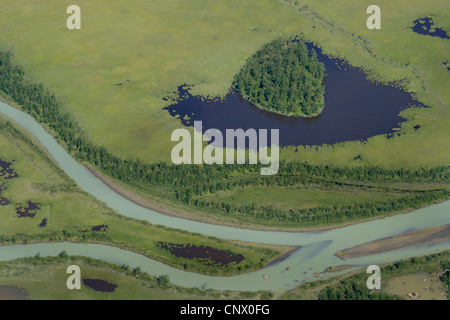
(355, 109)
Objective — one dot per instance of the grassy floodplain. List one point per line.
(113, 74)
(71, 213)
(159, 45)
(156, 45)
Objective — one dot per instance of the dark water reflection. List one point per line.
(99, 285)
(6, 172)
(29, 210)
(355, 109)
(423, 26)
(215, 256)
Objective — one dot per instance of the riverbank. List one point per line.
(169, 208)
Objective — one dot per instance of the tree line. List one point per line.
(320, 215)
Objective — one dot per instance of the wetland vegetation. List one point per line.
(210, 255)
(189, 184)
(408, 170)
(356, 109)
(68, 214)
(426, 26)
(136, 125)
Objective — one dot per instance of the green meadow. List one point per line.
(152, 47)
(156, 45)
(113, 74)
(71, 214)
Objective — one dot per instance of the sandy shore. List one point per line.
(416, 238)
(136, 198)
(337, 268)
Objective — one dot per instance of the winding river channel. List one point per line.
(316, 252)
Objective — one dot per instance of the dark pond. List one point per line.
(100, 228)
(99, 285)
(12, 293)
(43, 223)
(218, 257)
(29, 210)
(3, 200)
(355, 109)
(425, 26)
(5, 171)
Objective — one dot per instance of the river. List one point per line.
(316, 254)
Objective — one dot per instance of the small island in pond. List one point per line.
(284, 78)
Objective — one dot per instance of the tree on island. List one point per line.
(283, 77)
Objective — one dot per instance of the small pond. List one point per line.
(426, 27)
(12, 293)
(99, 285)
(215, 256)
